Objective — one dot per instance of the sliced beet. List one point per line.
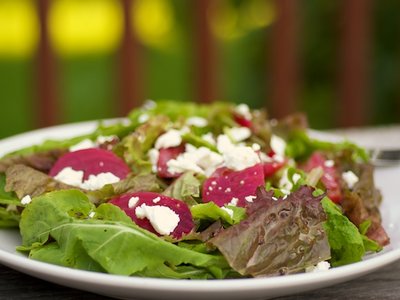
(242, 121)
(185, 224)
(166, 154)
(225, 185)
(270, 168)
(92, 161)
(330, 179)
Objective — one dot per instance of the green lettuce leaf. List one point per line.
(117, 247)
(300, 146)
(186, 188)
(212, 212)
(119, 129)
(347, 244)
(134, 147)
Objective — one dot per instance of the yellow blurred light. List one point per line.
(79, 27)
(153, 22)
(258, 13)
(224, 21)
(229, 22)
(19, 28)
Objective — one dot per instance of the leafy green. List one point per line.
(119, 129)
(9, 214)
(300, 146)
(347, 244)
(186, 188)
(197, 141)
(279, 236)
(113, 246)
(134, 147)
(211, 211)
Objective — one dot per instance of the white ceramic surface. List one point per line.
(150, 288)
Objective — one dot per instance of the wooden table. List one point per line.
(381, 284)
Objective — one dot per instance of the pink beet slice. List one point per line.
(185, 224)
(330, 179)
(92, 161)
(225, 184)
(166, 154)
(242, 121)
(270, 168)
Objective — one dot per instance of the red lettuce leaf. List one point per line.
(279, 237)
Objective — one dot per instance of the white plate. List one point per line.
(150, 288)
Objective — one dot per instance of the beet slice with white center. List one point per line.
(225, 185)
(131, 201)
(166, 154)
(92, 161)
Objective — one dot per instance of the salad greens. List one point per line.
(213, 191)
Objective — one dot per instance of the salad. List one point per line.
(194, 191)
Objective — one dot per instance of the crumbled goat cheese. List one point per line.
(224, 144)
(228, 210)
(91, 214)
(256, 147)
(26, 200)
(163, 219)
(240, 157)
(153, 155)
(278, 145)
(329, 163)
(350, 178)
(70, 176)
(243, 110)
(95, 182)
(285, 184)
(250, 198)
(101, 139)
(200, 160)
(133, 201)
(156, 200)
(143, 118)
(208, 137)
(321, 266)
(84, 144)
(234, 201)
(196, 121)
(171, 138)
(239, 134)
(296, 177)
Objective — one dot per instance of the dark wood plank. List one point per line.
(47, 106)
(204, 52)
(381, 284)
(131, 70)
(354, 63)
(284, 58)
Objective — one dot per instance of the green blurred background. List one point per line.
(85, 36)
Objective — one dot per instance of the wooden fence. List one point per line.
(353, 62)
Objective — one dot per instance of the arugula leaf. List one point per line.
(134, 147)
(83, 242)
(300, 146)
(211, 211)
(346, 242)
(186, 188)
(119, 129)
(9, 214)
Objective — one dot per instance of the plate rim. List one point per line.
(263, 285)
